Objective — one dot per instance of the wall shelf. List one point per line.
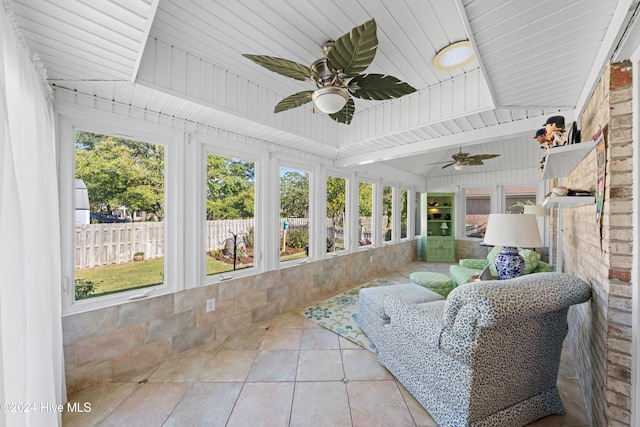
(562, 160)
(568, 201)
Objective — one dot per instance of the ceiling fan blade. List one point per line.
(353, 52)
(450, 164)
(283, 66)
(378, 87)
(346, 114)
(483, 156)
(474, 162)
(293, 101)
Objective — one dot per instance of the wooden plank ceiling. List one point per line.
(183, 59)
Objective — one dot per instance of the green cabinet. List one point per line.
(440, 230)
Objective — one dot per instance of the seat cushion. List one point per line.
(437, 282)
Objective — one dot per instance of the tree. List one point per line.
(230, 188)
(365, 196)
(294, 194)
(121, 172)
(336, 198)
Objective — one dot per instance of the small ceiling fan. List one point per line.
(338, 75)
(462, 160)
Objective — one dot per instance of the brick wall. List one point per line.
(601, 254)
(128, 341)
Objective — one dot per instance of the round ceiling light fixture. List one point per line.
(455, 55)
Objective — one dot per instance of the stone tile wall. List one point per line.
(600, 331)
(128, 341)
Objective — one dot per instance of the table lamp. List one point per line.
(444, 227)
(511, 231)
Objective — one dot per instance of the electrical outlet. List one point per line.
(211, 305)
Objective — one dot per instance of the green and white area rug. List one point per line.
(338, 313)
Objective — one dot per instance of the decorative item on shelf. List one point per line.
(511, 231)
(434, 203)
(447, 216)
(429, 232)
(429, 217)
(556, 134)
(560, 191)
(443, 228)
(437, 215)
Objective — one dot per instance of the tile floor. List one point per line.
(286, 372)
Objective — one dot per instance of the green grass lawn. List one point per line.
(143, 274)
(134, 275)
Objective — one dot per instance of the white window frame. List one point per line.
(461, 210)
(410, 214)
(347, 213)
(314, 216)
(104, 123)
(395, 218)
(374, 212)
(216, 148)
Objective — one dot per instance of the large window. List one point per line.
(365, 212)
(230, 206)
(516, 198)
(387, 213)
(294, 213)
(120, 212)
(336, 213)
(477, 210)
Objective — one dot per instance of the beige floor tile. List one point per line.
(228, 365)
(182, 368)
(282, 339)
(377, 404)
(363, 365)
(320, 404)
(319, 339)
(274, 365)
(245, 340)
(287, 320)
(205, 405)
(320, 365)
(310, 324)
(263, 404)
(149, 405)
(419, 414)
(103, 399)
(345, 344)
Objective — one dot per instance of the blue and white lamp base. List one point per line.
(509, 263)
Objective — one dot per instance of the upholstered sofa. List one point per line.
(488, 355)
(466, 268)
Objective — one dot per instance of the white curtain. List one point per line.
(31, 349)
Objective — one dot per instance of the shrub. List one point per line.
(298, 239)
(84, 288)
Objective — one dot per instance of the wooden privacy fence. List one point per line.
(104, 244)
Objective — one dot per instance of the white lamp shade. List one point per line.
(460, 167)
(516, 230)
(536, 210)
(444, 226)
(330, 99)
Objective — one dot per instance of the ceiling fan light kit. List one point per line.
(338, 76)
(330, 99)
